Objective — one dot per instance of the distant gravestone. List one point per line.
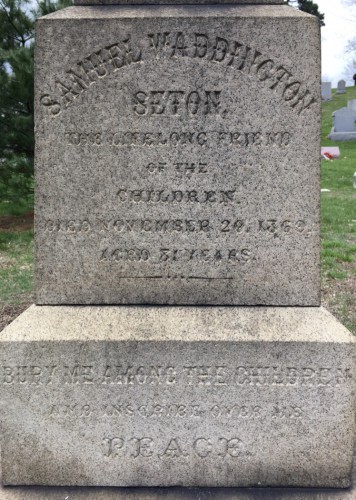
(344, 120)
(326, 91)
(352, 104)
(341, 87)
(343, 125)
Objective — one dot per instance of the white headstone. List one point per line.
(341, 87)
(326, 91)
(352, 104)
(344, 120)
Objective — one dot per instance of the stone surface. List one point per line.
(167, 173)
(177, 493)
(166, 162)
(344, 120)
(352, 104)
(188, 396)
(342, 136)
(341, 87)
(177, 2)
(343, 125)
(326, 94)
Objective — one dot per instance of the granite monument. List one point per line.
(177, 173)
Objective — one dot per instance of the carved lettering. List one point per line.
(234, 138)
(214, 49)
(156, 410)
(28, 374)
(290, 376)
(206, 375)
(197, 375)
(85, 73)
(129, 375)
(124, 254)
(67, 226)
(78, 374)
(247, 60)
(142, 447)
(274, 227)
(205, 255)
(283, 412)
(155, 226)
(146, 447)
(176, 103)
(175, 196)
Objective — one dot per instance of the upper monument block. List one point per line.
(176, 2)
(177, 156)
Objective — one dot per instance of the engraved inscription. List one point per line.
(205, 255)
(121, 374)
(28, 374)
(213, 49)
(191, 168)
(241, 57)
(182, 168)
(87, 72)
(125, 254)
(177, 103)
(176, 254)
(175, 196)
(72, 410)
(149, 138)
(68, 226)
(155, 226)
(177, 411)
(129, 138)
(78, 374)
(262, 227)
(146, 447)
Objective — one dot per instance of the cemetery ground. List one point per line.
(338, 221)
(338, 232)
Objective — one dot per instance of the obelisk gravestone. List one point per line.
(177, 173)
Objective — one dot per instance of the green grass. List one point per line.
(338, 207)
(16, 267)
(338, 220)
(18, 208)
(16, 255)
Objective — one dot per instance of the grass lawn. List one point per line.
(338, 232)
(338, 221)
(16, 262)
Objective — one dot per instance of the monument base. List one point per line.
(342, 136)
(190, 396)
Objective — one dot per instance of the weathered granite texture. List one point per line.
(178, 493)
(177, 2)
(177, 156)
(177, 396)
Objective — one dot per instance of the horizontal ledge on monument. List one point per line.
(176, 324)
(189, 9)
(177, 2)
